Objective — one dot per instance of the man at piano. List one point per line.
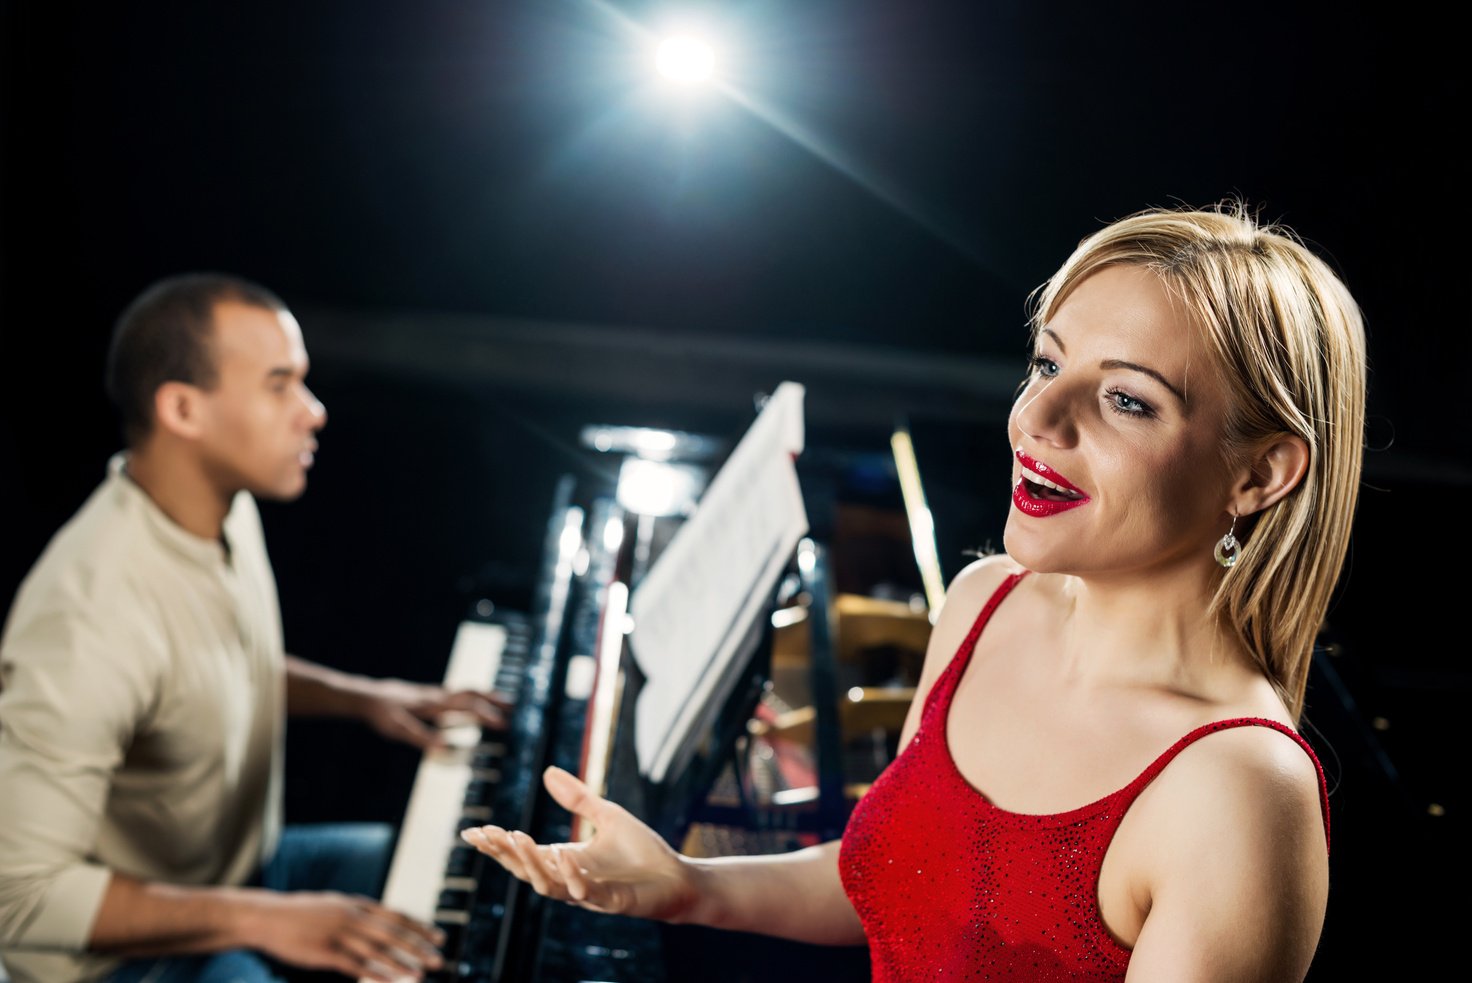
(144, 685)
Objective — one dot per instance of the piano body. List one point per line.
(756, 779)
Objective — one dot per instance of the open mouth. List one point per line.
(1041, 491)
(1049, 491)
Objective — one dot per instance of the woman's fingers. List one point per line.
(496, 843)
(533, 863)
(528, 869)
(571, 792)
(553, 871)
(522, 857)
(573, 875)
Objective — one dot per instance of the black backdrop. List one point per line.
(493, 234)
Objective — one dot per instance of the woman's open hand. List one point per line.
(625, 868)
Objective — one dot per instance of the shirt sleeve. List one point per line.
(71, 698)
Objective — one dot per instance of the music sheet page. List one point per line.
(717, 573)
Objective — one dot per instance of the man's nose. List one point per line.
(316, 411)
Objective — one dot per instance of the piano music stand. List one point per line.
(671, 805)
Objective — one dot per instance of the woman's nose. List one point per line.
(1043, 412)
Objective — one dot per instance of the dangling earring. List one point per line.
(1227, 548)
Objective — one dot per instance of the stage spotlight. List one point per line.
(686, 60)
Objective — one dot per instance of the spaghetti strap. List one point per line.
(1166, 757)
(962, 657)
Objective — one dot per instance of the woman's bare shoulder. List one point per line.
(978, 580)
(1254, 769)
(966, 596)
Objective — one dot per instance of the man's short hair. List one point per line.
(167, 335)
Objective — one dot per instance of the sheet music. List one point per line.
(716, 574)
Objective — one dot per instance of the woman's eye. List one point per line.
(1044, 366)
(1123, 402)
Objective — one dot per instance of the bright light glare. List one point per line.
(654, 443)
(654, 488)
(686, 60)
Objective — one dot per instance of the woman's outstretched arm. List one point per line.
(626, 868)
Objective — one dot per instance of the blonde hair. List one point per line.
(1288, 341)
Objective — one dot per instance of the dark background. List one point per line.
(496, 228)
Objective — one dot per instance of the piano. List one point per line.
(737, 789)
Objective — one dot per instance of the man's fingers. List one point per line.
(497, 699)
(482, 706)
(375, 969)
(423, 937)
(394, 938)
(383, 956)
(411, 730)
(349, 964)
(489, 715)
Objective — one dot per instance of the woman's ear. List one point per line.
(1274, 470)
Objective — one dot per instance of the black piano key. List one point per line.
(452, 972)
(454, 945)
(453, 900)
(463, 861)
(480, 791)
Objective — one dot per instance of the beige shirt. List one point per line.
(142, 700)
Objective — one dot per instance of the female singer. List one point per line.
(1101, 776)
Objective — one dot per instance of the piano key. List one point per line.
(453, 900)
(451, 916)
(473, 815)
(475, 656)
(463, 860)
(429, 832)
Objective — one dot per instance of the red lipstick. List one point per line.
(1042, 491)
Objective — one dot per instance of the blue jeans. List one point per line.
(348, 857)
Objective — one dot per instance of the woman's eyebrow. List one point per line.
(1119, 363)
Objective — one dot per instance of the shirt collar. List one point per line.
(206, 552)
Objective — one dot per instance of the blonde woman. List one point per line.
(1101, 776)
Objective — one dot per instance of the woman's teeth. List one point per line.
(1043, 486)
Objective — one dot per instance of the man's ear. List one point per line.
(1275, 469)
(178, 408)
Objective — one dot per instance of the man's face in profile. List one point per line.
(260, 419)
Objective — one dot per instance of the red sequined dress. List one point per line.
(949, 886)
